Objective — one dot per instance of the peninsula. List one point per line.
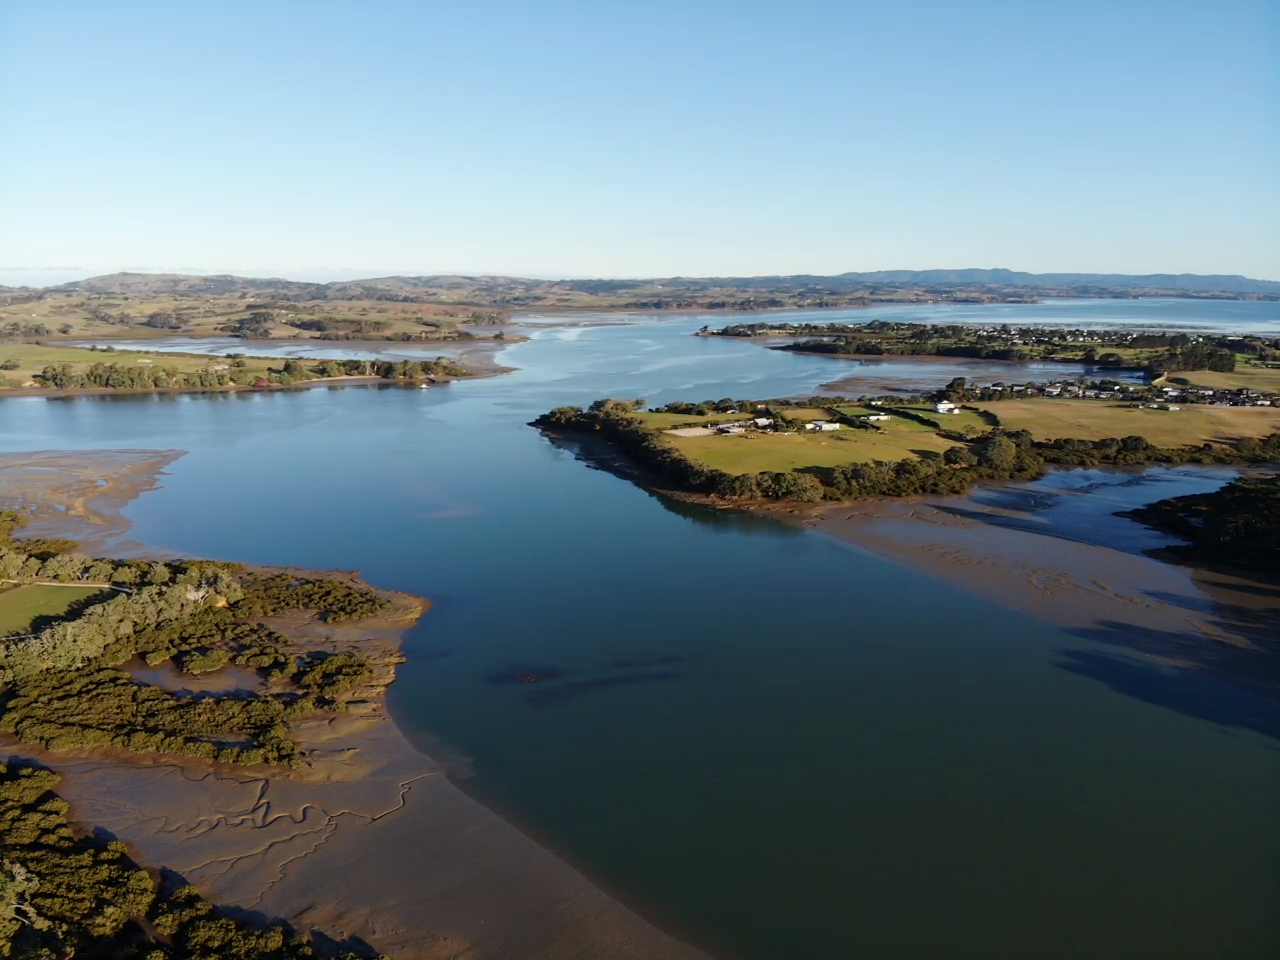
(824, 448)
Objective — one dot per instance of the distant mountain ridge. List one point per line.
(224, 284)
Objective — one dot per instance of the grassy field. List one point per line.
(959, 421)
(1097, 420)
(666, 421)
(33, 357)
(22, 604)
(782, 452)
(954, 421)
(856, 410)
(1254, 378)
(803, 414)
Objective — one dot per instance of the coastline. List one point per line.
(370, 842)
(1219, 621)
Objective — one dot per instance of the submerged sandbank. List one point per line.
(1219, 621)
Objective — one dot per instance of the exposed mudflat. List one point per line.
(81, 495)
(1223, 622)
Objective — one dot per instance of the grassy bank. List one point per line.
(765, 452)
(1046, 419)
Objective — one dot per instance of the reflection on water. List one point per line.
(1083, 503)
(772, 743)
(726, 521)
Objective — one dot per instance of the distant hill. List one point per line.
(1204, 283)
(734, 293)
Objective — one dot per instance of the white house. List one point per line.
(946, 406)
(873, 417)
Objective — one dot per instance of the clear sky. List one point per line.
(613, 138)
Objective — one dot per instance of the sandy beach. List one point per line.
(370, 843)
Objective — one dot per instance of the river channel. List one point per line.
(768, 742)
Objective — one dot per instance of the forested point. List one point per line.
(1238, 525)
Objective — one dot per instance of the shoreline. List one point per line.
(371, 840)
(1221, 621)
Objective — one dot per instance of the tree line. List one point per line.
(114, 376)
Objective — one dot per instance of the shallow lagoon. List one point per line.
(774, 744)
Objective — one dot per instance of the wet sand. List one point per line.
(81, 495)
(1221, 622)
(370, 843)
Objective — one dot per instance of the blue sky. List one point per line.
(638, 139)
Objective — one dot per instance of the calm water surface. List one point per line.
(774, 744)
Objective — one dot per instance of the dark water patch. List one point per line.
(524, 673)
(558, 695)
(637, 664)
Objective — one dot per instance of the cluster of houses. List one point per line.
(1139, 393)
(760, 423)
(1244, 397)
(741, 426)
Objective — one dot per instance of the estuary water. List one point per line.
(773, 744)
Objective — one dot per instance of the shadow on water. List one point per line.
(547, 685)
(553, 696)
(720, 520)
(1185, 690)
(602, 456)
(1253, 667)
